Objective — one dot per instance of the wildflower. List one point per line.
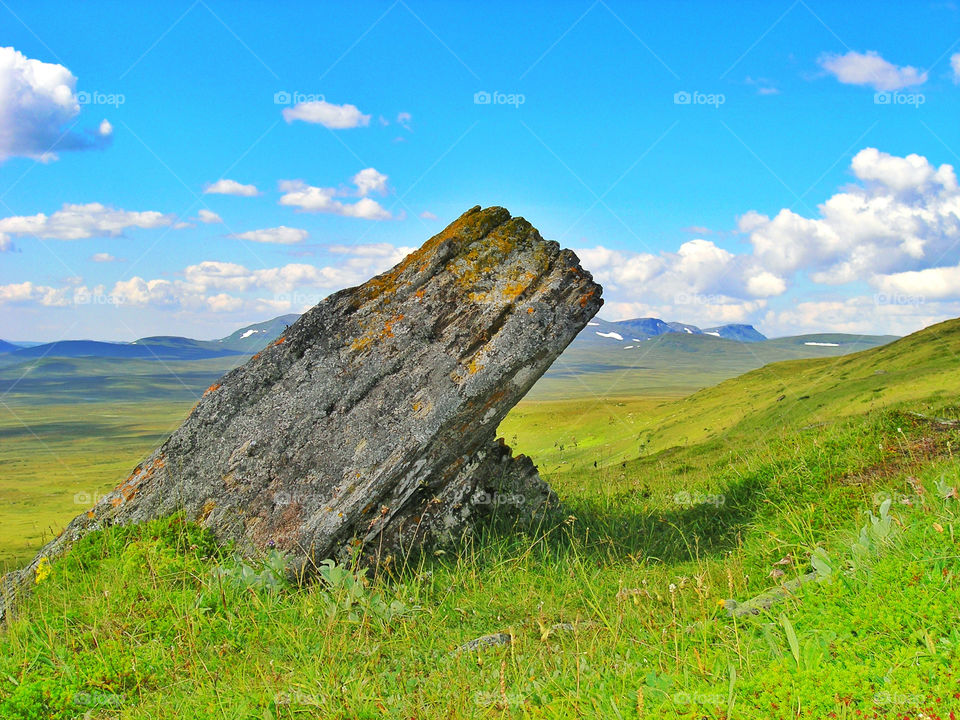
(43, 570)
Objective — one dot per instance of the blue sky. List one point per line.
(783, 164)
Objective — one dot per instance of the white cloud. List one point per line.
(76, 222)
(859, 315)
(320, 112)
(38, 107)
(699, 272)
(427, 215)
(223, 287)
(931, 283)
(897, 229)
(405, 119)
(370, 180)
(209, 217)
(281, 235)
(955, 66)
(871, 69)
(309, 198)
(27, 293)
(6, 244)
(103, 257)
(230, 187)
(905, 215)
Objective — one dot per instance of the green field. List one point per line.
(676, 505)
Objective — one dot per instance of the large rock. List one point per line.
(369, 426)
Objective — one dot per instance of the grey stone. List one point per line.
(369, 426)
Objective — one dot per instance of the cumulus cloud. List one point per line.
(77, 222)
(904, 215)
(858, 315)
(281, 235)
(38, 107)
(320, 112)
(209, 217)
(896, 229)
(6, 244)
(74, 292)
(370, 180)
(405, 120)
(214, 286)
(230, 187)
(955, 66)
(309, 198)
(697, 267)
(871, 69)
(427, 215)
(103, 258)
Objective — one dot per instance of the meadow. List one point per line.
(680, 507)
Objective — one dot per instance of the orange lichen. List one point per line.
(212, 388)
(90, 514)
(255, 357)
(586, 298)
(279, 341)
(368, 338)
(530, 311)
(208, 507)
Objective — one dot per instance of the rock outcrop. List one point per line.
(369, 426)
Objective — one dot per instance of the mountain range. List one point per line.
(245, 341)
(641, 355)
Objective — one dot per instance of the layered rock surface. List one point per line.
(369, 426)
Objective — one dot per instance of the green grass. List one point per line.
(55, 460)
(615, 611)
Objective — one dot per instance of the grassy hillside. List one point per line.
(675, 510)
(677, 363)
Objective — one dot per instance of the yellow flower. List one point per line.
(43, 570)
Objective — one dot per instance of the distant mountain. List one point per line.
(158, 348)
(742, 333)
(639, 329)
(245, 341)
(254, 338)
(648, 354)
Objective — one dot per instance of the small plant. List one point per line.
(345, 596)
(270, 573)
